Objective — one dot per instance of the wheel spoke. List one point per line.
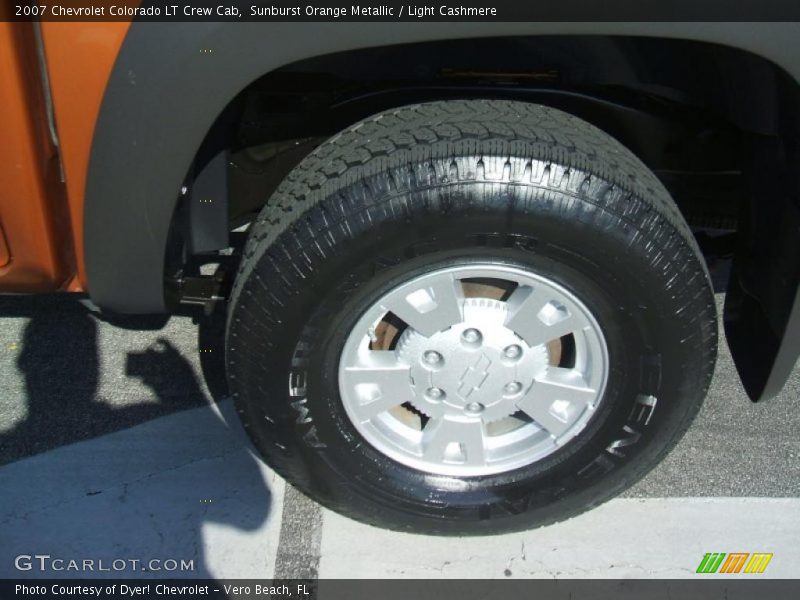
(380, 381)
(537, 318)
(557, 399)
(432, 307)
(469, 435)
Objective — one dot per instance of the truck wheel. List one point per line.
(469, 317)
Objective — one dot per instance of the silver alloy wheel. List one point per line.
(473, 384)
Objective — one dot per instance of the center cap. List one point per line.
(476, 369)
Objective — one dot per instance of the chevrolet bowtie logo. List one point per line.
(473, 378)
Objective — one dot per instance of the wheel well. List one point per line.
(687, 109)
(711, 121)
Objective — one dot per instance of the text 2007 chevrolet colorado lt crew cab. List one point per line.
(473, 295)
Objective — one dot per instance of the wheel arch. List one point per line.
(171, 82)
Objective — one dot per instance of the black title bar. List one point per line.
(391, 10)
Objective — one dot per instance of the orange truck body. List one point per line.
(42, 190)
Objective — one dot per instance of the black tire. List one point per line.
(444, 183)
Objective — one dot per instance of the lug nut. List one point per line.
(435, 393)
(471, 335)
(474, 408)
(432, 357)
(512, 388)
(512, 351)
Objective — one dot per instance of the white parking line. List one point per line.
(625, 538)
